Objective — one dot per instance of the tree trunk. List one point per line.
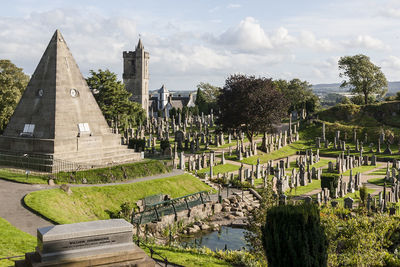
(250, 136)
(264, 142)
(366, 98)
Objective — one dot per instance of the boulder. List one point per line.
(193, 229)
(66, 189)
(205, 227)
(214, 226)
(239, 214)
(226, 209)
(217, 208)
(229, 217)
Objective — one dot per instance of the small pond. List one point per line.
(226, 238)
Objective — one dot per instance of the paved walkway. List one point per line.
(12, 209)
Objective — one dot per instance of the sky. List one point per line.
(208, 40)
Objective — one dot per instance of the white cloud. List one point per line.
(325, 69)
(308, 39)
(281, 38)
(391, 62)
(390, 12)
(234, 6)
(95, 41)
(248, 36)
(366, 41)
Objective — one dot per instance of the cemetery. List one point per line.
(95, 171)
(346, 182)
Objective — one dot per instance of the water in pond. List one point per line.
(227, 237)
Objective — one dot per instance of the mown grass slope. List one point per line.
(95, 202)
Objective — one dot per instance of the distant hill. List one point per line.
(321, 89)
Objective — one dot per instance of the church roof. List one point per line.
(140, 45)
(163, 89)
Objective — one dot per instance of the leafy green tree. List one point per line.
(185, 113)
(293, 236)
(194, 110)
(257, 217)
(361, 239)
(172, 112)
(207, 96)
(252, 105)
(359, 99)
(362, 76)
(13, 82)
(346, 101)
(299, 94)
(113, 99)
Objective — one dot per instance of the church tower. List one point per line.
(136, 75)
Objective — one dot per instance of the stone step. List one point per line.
(108, 151)
(99, 159)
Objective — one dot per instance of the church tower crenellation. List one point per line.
(136, 75)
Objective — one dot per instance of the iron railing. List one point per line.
(155, 211)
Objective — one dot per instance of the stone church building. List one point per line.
(136, 80)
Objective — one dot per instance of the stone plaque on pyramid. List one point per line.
(58, 115)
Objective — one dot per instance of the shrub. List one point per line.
(137, 144)
(330, 181)
(292, 236)
(363, 194)
(164, 144)
(115, 173)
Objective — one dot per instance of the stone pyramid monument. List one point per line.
(58, 115)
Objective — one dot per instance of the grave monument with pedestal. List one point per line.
(97, 243)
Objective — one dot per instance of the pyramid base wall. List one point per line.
(26, 145)
(88, 151)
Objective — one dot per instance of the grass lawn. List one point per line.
(260, 181)
(355, 196)
(14, 242)
(20, 177)
(379, 181)
(300, 190)
(359, 169)
(220, 169)
(277, 154)
(321, 163)
(187, 258)
(379, 172)
(92, 203)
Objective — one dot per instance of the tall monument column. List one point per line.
(136, 75)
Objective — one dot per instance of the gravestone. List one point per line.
(179, 138)
(348, 203)
(95, 243)
(308, 199)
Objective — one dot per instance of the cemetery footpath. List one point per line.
(13, 210)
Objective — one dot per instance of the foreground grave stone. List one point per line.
(96, 243)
